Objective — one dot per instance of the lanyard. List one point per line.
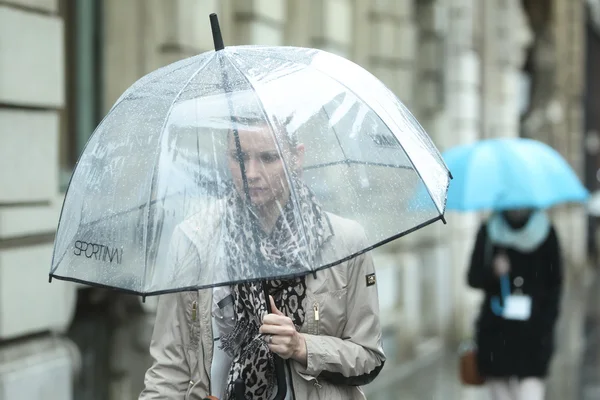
(497, 308)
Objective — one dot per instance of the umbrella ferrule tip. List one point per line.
(216, 32)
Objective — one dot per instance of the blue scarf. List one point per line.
(526, 239)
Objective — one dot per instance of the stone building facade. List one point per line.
(461, 66)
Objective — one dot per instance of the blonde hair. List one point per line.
(279, 130)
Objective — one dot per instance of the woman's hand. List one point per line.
(282, 337)
(501, 264)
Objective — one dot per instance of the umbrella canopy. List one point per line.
(193, 149)
(497, 174)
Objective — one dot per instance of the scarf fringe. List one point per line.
(232, 342)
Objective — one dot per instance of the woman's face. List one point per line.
(518, 216)
(265, 171)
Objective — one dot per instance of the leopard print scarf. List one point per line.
(294, 243)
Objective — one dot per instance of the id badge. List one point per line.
(517, 307)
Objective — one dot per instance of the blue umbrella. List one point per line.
(507, 173)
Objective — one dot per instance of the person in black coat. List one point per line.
(515, 341)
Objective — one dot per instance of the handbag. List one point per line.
(468, 369)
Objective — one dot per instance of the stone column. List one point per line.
(556, 110)
(432, 20)
(505, 36)
(260, 22)
(567, 131)
(569, 28)
(429, 106)
(361, 33)
(299, 23)
(392, 46)
(332, 23)
(463, 120)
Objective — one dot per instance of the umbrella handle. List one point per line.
(278, 361)
(281, 379)
(239, 389)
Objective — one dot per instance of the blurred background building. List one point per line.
(467, 69)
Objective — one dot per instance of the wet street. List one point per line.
(575, 371)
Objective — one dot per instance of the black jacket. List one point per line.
(517, 348)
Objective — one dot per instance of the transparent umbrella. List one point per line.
(228, 167)
(159, 166)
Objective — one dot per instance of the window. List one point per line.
(83, 77)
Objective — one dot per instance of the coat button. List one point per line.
(518, 281)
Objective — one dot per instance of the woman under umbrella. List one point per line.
(515, 332)
(326, 325)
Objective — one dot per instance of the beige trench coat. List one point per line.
(344, 347)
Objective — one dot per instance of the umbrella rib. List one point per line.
(350, 161)
(336, 135)
(264, 111)
(153, 177)
(383, 122)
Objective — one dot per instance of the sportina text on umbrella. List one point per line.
(98, 251)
